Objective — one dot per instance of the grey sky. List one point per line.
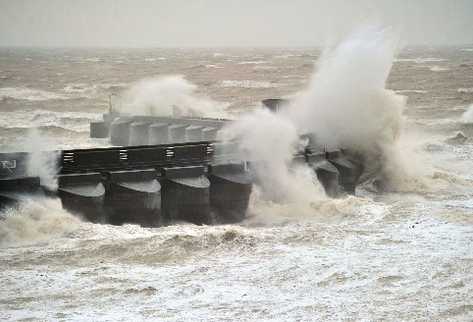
(226, 22)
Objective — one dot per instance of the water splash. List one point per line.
(166, 96)
(36, 219)
(467, 117)
(346, 105)
(42, 160)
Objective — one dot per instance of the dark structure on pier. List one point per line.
(161, 170)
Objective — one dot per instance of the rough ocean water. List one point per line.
(398, 256)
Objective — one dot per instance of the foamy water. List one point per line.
(399, 256)
(29, 94)
(75, 121)
(246, 84)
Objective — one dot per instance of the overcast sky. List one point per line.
(202, 23)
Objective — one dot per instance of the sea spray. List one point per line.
(36, 219)
(42, 160)
(345, 106)
(269, 142)
(467, 116)
(348, 106)
(170, 95)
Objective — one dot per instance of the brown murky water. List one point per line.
(398, 256)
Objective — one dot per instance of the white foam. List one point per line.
(465, 90)
(420, 60)
(270, 141)
(253, 62)
(346, 105)
(29, 94)
(42, 159)
(83, 90)
(467, 117)
(437, 68)
(264, 68)
(166, 96)
(285, 56)
(407, 91)
(37, 219)
(247, 84)
(93, 59)
(217, 66)
(77, 88)
(76, 121)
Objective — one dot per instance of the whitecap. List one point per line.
(407, 91)
(217, 66)
(256, 68)
(437, 68)
(419, 60)
(93, 59)
(253, 62)
(467, 116)
(83, 90)
(76, 88)
(29, 94)
(36, 220)
(76, 121)
(246, 84)
(465, 90)
(286, 56)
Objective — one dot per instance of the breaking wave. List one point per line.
(83, 90)
(311, 206)
(216, 66)
(465, 90)
(407, 91)
(92, 59)
(29, 94)
(76, 121)
(247, 84)
(253, 62)
(420, 60)
(437, 68)
(36, 219)
(467, 116)
(166, 96)
(345, 106)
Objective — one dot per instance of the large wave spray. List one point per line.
(467, 117)
(345, 106)
(166, 96)
(36, 219)
(269, 141)
(41, 162)
(348, 106)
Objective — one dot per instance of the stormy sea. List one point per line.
(404, 254)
